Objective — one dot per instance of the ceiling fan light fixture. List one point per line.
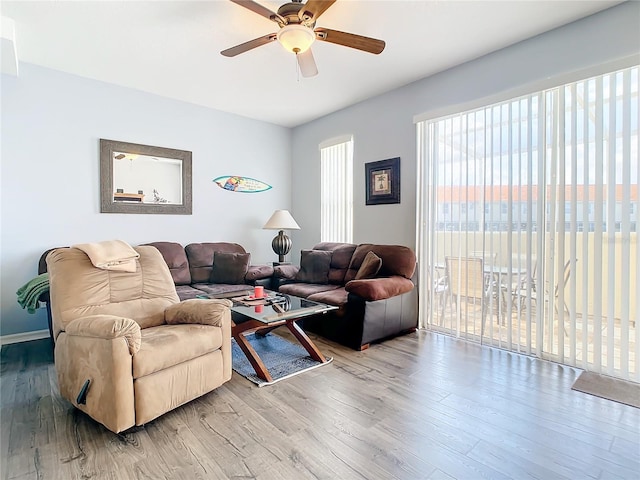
(296, 38)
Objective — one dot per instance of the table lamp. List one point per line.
(281, 220)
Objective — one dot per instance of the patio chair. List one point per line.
(439, 290)
(467, 280)
(520, 287)
(522, 295)
(488, 257)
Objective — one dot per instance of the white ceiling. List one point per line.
(172, 48)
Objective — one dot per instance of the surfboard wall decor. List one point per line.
(241, 184)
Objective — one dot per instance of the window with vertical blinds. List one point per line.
(336, 190)
(544, 190)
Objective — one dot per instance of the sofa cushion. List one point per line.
(169, 345)
(396, 260)
(200, 256)
(340, 259)
(337, 297)
(212, 290)
(370, 266)
(288, 272)
(314, 266)
(186, 292)
(303, 290)
(258, 272)
(229, 267)
(176, 259)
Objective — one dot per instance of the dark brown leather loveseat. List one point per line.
(374, 307)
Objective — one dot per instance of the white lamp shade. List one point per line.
(281, 220)
(296, 38)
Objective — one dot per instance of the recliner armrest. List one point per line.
(201, 311)
(373, 289)
(107, 327)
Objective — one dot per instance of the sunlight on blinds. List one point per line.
(336, 177)
(543, 189)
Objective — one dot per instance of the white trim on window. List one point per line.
(524, 90)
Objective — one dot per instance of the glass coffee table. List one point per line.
(260, 316)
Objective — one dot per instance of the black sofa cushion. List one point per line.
(341, 254)
(200, 256)
(314, 266)
(229, 268)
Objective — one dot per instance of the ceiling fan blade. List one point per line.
(352, 40)
(246, 46)
(311, 10)
(307, 64)
(257, 8)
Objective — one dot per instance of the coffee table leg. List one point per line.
(263, 331)
(252, 356)
(305, 341)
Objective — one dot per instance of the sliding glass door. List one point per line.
(536, 199)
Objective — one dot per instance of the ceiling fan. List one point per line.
(297, 21)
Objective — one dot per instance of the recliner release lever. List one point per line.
(81, 399)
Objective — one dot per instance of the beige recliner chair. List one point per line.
(126, 349)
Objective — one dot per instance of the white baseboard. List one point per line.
(24, 337)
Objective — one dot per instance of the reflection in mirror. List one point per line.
(146, 179)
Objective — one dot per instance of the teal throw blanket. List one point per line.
(30, 292)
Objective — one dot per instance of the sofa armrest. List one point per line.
(288, 272)
(258, 272)
(204, 312)
(373, 289)
(107, 327)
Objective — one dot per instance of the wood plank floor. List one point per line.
(421, 406)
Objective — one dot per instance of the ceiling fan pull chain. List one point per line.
(297, 68)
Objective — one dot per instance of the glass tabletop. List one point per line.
(275, 307)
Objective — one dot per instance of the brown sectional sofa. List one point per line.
(192, 268)
(371, 309)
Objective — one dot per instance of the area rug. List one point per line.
(282, 358)
(608, 387)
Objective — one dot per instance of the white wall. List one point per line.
(51, 126)
(383, 127)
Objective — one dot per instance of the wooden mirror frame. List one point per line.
(107, 189)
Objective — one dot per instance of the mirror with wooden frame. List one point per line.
(138, 178)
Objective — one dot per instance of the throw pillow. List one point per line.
(370, 266)
(229, 267)
(314, 266)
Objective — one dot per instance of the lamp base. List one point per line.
(281, 245)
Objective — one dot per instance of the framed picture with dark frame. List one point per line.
(383, 181)
(138, 178)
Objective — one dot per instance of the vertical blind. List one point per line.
(544, 188)
(336, 190)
